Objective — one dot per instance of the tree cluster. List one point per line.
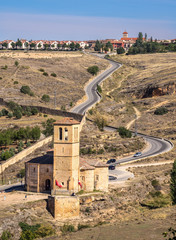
(26, 90)
(17, 136)
(19, 111)
(99, 46)
(120, 50)
(124, 133)
(48, 127)
(161, 111)
(142, 46)
(93, 70)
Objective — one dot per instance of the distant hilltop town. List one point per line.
(125, 42)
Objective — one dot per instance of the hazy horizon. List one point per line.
(94, 20)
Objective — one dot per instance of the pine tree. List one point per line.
(173, 183)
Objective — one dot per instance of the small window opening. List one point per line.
(60, 133)
(66, 134)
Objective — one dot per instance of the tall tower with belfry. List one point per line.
(125, 34)
(66, 155)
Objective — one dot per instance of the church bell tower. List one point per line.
(66, 155)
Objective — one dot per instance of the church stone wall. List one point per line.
(87, 180)
(46, 172)
(101, 178)
(32, 177)
(64, 206)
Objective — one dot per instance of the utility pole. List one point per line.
(135, 125)
(55, 99)
(2, 174)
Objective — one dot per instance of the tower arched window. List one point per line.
(66, 134)
(60, 133)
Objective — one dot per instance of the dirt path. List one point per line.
(158, 105)
(13, 198)
(138, 115)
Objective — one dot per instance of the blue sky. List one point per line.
(83, 20)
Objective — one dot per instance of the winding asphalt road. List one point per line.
(155, 145)
(91, 89)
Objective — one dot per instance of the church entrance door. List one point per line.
(47, 185)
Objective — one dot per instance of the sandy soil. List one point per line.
(12, 198)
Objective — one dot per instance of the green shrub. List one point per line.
(41, 70)
(81, 226)
(71, 104)
(161, 111)
(67, 228)
(17, 113)
(87, 210)
(6, 155)
(6, 235)
(34, 111)
(45, 74)
(93, 70)
(15, 82)
(12, 152)
(100, 151)
(63, 108)
(12, 105)
(16, 63)
(100, 122)
(46, 98)
(44, 231)
(21, 173)
(45, 115)
(156, 184)
(87, 151)
(4, 67)
(0, 78)
(30, 232)
(99, 89)
(120, 50)
(4, 112)
(124, 133)
(53, 75)
(91, 112)
(156, 200)
(20, 149)
(48, 127)
(26, 90)
(28, 144)
(21, 144)
(10, 115)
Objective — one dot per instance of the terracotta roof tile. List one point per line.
(67, 121)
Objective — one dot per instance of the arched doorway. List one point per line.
(47, 185)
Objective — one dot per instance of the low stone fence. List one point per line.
(50, 111)
(24, 153)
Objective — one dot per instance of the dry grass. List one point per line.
(70, 68)
(137, 74)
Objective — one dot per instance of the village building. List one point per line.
(62, 170)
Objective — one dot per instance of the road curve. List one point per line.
(91, 89)
(155, 145)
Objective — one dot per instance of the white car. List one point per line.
(137, 154)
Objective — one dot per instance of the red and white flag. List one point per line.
(58, 184)
(79, 183)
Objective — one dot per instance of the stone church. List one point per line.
(61, 171)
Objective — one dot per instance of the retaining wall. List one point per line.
(24, 153)
(50, 111)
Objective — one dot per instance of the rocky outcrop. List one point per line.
(151, 90)
(155, 91)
